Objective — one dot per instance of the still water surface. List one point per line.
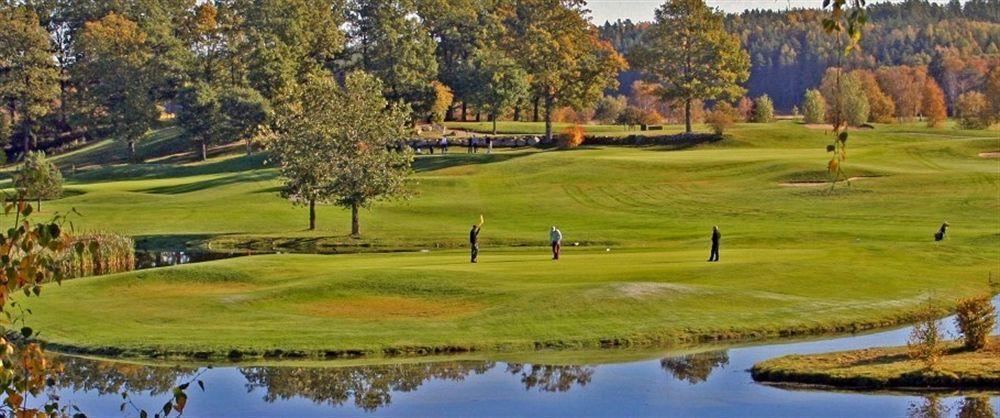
(712, 383)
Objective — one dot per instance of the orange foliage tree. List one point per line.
(933, 106)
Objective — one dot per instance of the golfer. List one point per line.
(716, 237)
(555, 236)
(474, 239)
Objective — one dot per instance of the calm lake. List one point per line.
(711, 382)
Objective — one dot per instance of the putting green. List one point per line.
(794, 259)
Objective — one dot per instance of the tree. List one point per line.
(113, 76)
(38, 178)
(212, 117)
(905, 85)
(245, 111)
(933, 107)
(763, 110)
(630, 117)
(993, 95)
(609, 107)
(341, 145)
(29, 79)
(200, 115)
(502, 84)
(814, 107)
(881, 107)
(393, 45)
(443, 97)
(567, 63)
(845, 98)
(972, 110)
(690, 54)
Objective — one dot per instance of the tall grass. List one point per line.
(102, 253)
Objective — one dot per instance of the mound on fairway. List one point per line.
(794, 260)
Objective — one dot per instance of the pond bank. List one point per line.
(886, 368)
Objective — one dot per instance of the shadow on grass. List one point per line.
(163, 171)
(458, 159)
(208, 184)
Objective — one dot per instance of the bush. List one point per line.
(572, 138)
(38, 178)
(973, 111)
(925, 342)
(763, 109)
(744, 109)
(814, 107)
(722, 117)
(975, 320)
(99, 253)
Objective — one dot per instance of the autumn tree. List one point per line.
(609, 107)
(881, 107)
(29, 79)
(392, 44)
(905, 85)
(561, 52)
(814, 107)
(993, 95)
(340, 146)
(502, 84)
(443, 97)
(114, 77)
(933, 106)
(690, 54)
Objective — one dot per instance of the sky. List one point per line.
(640, 10)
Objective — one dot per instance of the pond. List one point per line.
(147, 259)
(712, 382)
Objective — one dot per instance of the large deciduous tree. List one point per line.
(688, 52)
(210, 115)
(389, 41)
(113, 74)
(502, 84)
(29, 79)
(567, 63)
(341, 146)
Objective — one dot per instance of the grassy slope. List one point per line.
(794, 258)
(885, 368)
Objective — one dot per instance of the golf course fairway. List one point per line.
(795, 260)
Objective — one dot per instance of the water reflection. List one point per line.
(695, 368)
(977, 407)
(153, 259)
(551, 378)
(370, 387)
(79, 374)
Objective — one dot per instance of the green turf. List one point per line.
(795, 259)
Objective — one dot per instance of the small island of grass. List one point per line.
(887, 368)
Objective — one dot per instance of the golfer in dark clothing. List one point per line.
(941, 233)
(716, 236)
(474, 239)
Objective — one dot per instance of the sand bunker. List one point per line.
(993, 154)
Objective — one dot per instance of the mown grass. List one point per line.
(795, 260)
(886, 368)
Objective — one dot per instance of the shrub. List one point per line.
(973, 111)
(722, 117)
(98, 253)
(763, 109)
(572, 138)
(933, 107)
(814, 107)
(38, 178)
(745, 109)
(975, 320)
(925, 342)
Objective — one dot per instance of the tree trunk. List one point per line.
(494, 117)
(204, 151)
(131, 150)
(249, 147)
(26, 127)
(479, 116)
(687, 115)
(465, 110)
(548, 119)
(535, 118)
(312, 214)
(355, 221)
(39, 200)
(517, 113)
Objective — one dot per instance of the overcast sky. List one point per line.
(639, 10)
